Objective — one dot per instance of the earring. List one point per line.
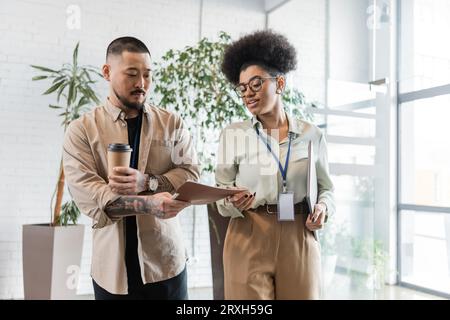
(278, 91)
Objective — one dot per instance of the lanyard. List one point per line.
(282, 170)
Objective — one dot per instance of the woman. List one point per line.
(265, 256)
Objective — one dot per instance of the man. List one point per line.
(138, 251)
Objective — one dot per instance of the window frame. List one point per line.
(405, 207)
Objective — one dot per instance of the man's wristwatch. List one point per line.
(153, 183)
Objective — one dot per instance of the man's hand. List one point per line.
(164, 207)
(242, 200)
(127, 181)
(316, 220)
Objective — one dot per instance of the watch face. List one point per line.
(153, 184)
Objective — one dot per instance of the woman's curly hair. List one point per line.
(267, 49)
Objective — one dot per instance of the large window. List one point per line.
(425, 51)
(424, 110)
(425, 249)
(360, 120)
(425, 155)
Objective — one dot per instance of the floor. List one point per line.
(354, 287)
(344, 287)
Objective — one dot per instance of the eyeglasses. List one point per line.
(254, 84)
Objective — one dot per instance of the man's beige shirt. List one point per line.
(165, 149)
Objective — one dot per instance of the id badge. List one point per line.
(286, 206)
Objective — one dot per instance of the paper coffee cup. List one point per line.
(119, 155)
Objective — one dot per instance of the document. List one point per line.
(311, 180)
(198, 194)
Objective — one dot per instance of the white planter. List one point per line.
(328, 269)
(361, 265)
(51, 261)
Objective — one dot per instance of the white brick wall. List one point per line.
(304, 24)
(35, 32)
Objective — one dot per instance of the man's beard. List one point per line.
(130, 105)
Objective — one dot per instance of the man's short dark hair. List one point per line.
(130, 44)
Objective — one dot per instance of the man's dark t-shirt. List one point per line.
(131, 240)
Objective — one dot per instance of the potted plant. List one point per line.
(190, 82)
(52, 251)
(332, 241)
(377, 269)
(369, 260)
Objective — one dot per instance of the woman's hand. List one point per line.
(316, 220)
(242, 200)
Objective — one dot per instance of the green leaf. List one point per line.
(75, 56)
(91, 94)
(94, 70)
(69, 212)
(71, 92)
(83, 101)
(44, 69)
(53, 88)
(54, 107)
(86, 74)
(39, 78)
(57, 79)
(60, 91)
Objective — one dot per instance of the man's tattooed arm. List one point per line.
(134, 205)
